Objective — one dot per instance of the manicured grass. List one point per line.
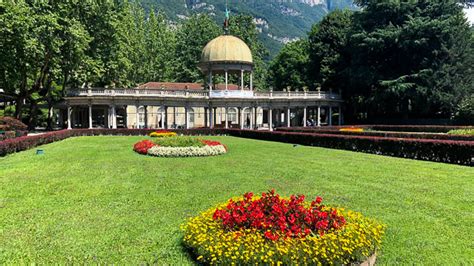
(92, 199)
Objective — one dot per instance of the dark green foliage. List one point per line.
(289, 70)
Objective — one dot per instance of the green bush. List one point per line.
(469, 132)
(179, 141)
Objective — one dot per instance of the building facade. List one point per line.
(191, 105)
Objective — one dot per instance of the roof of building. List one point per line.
(183, 86)
(226, 48)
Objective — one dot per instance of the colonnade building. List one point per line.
(192, 105)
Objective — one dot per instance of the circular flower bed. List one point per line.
(180, 146)
(162, 134)
(274, 230)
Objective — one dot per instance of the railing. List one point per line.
(203, 94)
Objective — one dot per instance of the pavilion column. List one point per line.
(288, 117)
(69, 114)
(253, 119)
(210, 80)
(211, 117)
(270, 119)
(90, 116)
(241, 117)
(226, 117)
(114, 117)
(330, 115)
(166, 117)
(340, 115)
(186, 117)
(305, 116)
(319, 115)
(206, 118)
(137, 116)
(251, 81)
(163, 108)
(242, 79)
(146, 115)
(226, 80)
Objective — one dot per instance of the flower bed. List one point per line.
(180, 147)
(273, 230)
(162, 134)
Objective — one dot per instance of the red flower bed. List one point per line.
(279, 217)
(143, 146)
(213, 143)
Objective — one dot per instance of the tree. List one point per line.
(160, 49)
(404, 51)
(243, 26)
(328, 52)
(192, 36)
(290, 66)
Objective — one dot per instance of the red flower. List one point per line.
(279, 217)
(143, 146)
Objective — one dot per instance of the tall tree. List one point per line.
(192, 35)
(290, 66)
(244, 27)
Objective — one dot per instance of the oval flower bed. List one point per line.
(274, 230)
(180, 146)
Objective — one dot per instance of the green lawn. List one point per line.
(92, 199)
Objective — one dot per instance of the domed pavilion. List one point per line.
(175, 105)
(227, 55)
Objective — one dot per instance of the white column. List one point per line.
(166, 117)
(114, 117)
(146, 115)
(210, 80)
(226, 80)
(211, 117)
(330, 115)
(251, 81)
(137, 116)
(163, 116)
(90, 116)
(241, 79)
(69, 114)
(186, 117)
(319, 115)
(305, 116)
(241, 117)
(340, 116)
(253, 121)
(270, 119)
(288, 117)
(226, 117)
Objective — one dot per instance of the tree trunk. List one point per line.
(33, 120)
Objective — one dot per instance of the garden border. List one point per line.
(448, 151)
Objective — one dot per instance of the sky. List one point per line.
(470, 14)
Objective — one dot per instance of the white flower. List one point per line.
(186, 151)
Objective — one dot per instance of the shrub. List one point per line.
(467, 132)
(449, 151)
(162, 133)
(12, 124)
(381, 134)
(273, 230)
(352, 129)
(179, 141)
(143, 146)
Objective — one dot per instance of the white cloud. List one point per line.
(470, 14)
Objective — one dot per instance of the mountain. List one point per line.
(279, 21)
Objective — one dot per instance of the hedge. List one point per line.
(448, 151)
(27, 142)
(380, 134)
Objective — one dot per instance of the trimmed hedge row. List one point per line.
(448, 151)
(27, 142)
(398, 128)
(380, 134)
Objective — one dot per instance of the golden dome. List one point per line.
(226, 48)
